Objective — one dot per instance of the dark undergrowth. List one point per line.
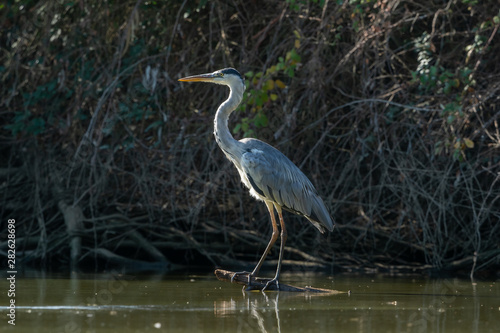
(391, 108)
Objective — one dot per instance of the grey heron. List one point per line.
(268, 174)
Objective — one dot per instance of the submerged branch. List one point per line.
(260, 283)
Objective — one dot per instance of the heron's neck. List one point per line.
(222, 134)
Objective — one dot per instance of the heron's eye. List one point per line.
(220, 74)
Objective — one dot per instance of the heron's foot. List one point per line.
(242, 273)
(270, 283)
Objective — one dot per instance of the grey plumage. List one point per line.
(266, 172)
(275, 178)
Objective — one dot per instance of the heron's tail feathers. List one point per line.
(319, 216)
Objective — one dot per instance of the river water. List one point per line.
(125, 303)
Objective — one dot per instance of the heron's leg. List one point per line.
(274, 237)
(282, 247)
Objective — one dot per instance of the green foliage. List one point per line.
(431, 78)
(30, 122)
(46, 103)
(262, 88)
(23, 122)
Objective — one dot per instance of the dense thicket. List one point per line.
(391, 107)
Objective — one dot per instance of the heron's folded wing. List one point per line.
(276, 178)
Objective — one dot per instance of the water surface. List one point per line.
(200, 303)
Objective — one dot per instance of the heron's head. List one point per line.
(227, 76)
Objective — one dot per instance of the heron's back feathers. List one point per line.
(271, 176)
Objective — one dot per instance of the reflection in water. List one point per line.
(374, 306)
(260, 318)
(225, 308)
(258, 305)
(194, 303)
(262, 308)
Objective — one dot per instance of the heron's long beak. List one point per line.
(199, 78)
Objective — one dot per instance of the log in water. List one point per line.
(259, 283)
